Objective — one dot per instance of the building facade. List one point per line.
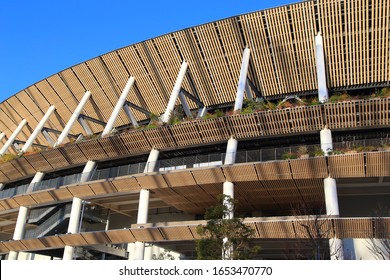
(286, 110)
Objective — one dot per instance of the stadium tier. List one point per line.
(286, 110)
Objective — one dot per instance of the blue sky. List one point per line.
(39, 38)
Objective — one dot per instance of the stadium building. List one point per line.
(285, 109)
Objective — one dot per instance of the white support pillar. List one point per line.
(143, 206)
(326, 141)
(228, 191)
(73, 227)
(331, 200)
(12, 138)
(175, 93)
(130, 115)
(242, 80)
(37, 178)
(38, 129)
(231, 151)
(185, 105)
(87, 172)
(73, 119)
(118, 107)
(19, 230)
(323, 95)
(332, 209)
(2, 135)
(2, 186)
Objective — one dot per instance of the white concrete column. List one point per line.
(38, 177)
(12, 138)
(73, 227)
(2, 186)
(86, 174)
(118, 107)
(331, 200)
(231, 151)
(326, 140)
(323, 95)
(73, 119)
(19, 230)
(143, 206)
(175, 93)
(151, 163)
(37, 130)
(332, 209)
(242, 80)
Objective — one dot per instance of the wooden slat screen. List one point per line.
(55, 158)
(378, 164)
(186, 134)
(273, 170)
(213, 130)
(135, 142)
(160, 138)
(309, 168)
(92, 150)
(244, 126)
(346, 166)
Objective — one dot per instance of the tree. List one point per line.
(314, 235)
(221, 236)
(380, 245)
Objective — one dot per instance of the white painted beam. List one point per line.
(323, 95)
(38, 129)
(242, 80)
(175, 93)
(73, 119)
(12, 138)
(119, 105)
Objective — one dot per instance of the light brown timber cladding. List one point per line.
(213, 130)
(92, 150)
(179, 179)
(113, 146)
(186, 134)
(240, 173)
(306, 118)
(277, 229)
(274, 122)
(24, 200)
(382, 228)
(374, 112)
(309, 168)
(174, 233)
(3, 177)
(378, 164)
(96, 237)
(136, 142)
(208, 176)
(42, 197)
(23, 166)
(160, 138)
(33, 244)
(151, 181)
(283, 191)
(341, 115)
(73, 154)
(312, 190)
(55, 158)
(346, 166)
(275, 170)
(73, 239)
(120, 236)
(126, 185)
(38, 161)
(10, 170)
(357, 228)
(243, 126)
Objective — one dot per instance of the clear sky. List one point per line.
(39, 38)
